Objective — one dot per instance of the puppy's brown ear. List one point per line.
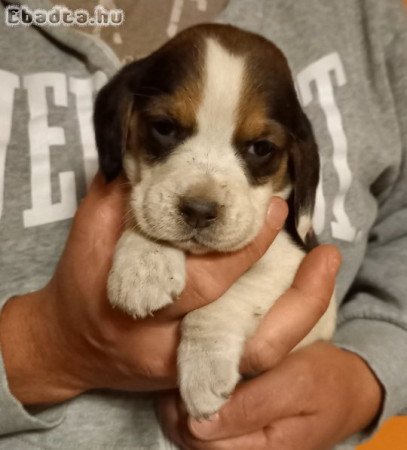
(304, 172)
(113, 108)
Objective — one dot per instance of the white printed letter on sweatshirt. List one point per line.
(41, 138)
(321, 73)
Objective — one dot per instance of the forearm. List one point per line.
(34, 354)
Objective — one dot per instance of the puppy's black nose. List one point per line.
(198, 212)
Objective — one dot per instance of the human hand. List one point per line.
(66, 338)
(269, 418)
(313, 399)
(310, 399)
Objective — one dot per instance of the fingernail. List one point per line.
(276, 214)
(334, 261)
(204, 428)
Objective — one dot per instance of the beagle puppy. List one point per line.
(207, 129)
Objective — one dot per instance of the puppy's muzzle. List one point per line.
(198, 212)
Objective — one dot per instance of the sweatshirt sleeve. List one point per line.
(373, 319)
(72, 55)
(14, 417)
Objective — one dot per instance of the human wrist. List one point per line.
(37, 366)
(367, 392)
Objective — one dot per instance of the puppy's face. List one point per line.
(208, 129)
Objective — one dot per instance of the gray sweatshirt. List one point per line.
(349, 60)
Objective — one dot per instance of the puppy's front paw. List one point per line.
(142, 281)
(208, 370)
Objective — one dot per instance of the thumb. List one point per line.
(276, 215)
(295, 313)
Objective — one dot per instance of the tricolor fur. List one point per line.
(208, 128)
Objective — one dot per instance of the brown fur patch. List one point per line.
(182, 105)
(169, 89)
(187, 78)
(253, 124)
(281, 178)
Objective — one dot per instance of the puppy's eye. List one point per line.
(163, 127)
(261, 150)
(164, 130)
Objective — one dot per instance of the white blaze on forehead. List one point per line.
(223, 81)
